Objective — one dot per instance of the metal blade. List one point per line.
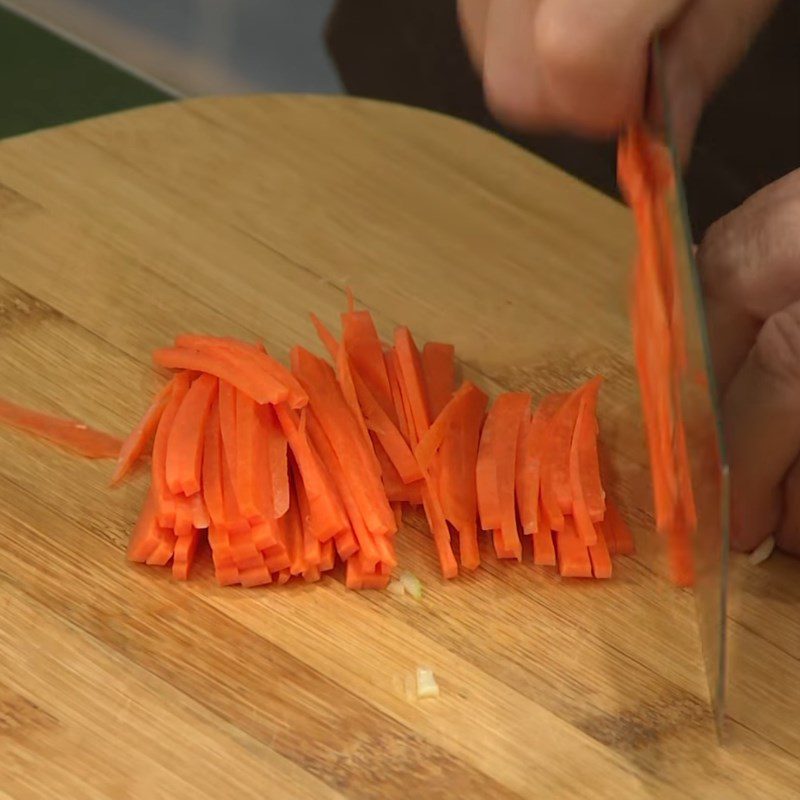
(704, 438)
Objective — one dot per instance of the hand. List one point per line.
(750, 266)
(581, 65)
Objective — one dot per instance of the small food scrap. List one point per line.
(763, 551)
(426, 683)
(411, 584)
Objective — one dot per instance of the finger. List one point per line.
(594, 57)
(750, 259)
(762, 428)
(472, 16)
(731, 333)
(788, 538)
(511, 75)
(701, 47)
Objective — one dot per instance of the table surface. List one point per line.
(239, 216)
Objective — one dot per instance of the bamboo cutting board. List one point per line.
(239, 216)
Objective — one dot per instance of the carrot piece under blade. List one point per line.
(134, 445)
(66, 433)
(439, 371)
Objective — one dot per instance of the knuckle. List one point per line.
(777, 348)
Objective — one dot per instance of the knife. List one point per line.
(698, 402)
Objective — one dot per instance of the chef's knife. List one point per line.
(698, 401)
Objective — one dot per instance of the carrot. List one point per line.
(438, 368)
(134, 445)
(440, 531)
(255, 576)
(346, 543)
(66, 433)
(259, 385)
(510, 409)
(277, 456)
(212, 467)
(363, 346)
(573, 556)
(559, 441)
(600, 556)
(393, 371)
(325, 336)
(251, 472)
(544, 552)
(165, 500)
(252, 357)
(486, 476)
(318, 482)
(185, 444)
(583, 521)
(410, 374)
(341, 428)
(312, 553)
(623, 539)
(185, 549)
(146, 534)
(588, 457)
(327, 556)
(436, 433)
(163, 551)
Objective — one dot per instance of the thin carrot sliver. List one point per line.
(312, 552)
(255, 576)
(511, 409)
(325, 336)
(440, 531)
(600, 556)
(185, 444)
(572, 555)
(426, 449)
(327, 556)
(559, 441)
(164, 550)
(588, 459)
(486, 477)
(410, 364)
(438, 368)
(251, 472)
(212, 467)
(363, 346)
(185, 549)
(66, 433)
(544, 552)
(277, 456)
(145, 534)
(583, 521)
(393, 371)
(134, 445)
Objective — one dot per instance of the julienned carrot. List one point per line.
(584, 425)
(559, 441)
(325, 336)
(572, 553)
(587, 456)
(600, 556)
(312, 552)
(342, 430)
(486, 476)
(276, 454)
(529, 469)
(544, 552)
(458, 458)
(439, 370)
(259, 385)
(164, 498)
(254, 357)
(134, 445)
(251, 469)
(511, 410)
(66, 433)
(363, 346)
(393, 371)
(410, 373)
(183, 557)
(318, 483)
(439, 529)
(185, 443)
(145, 534)
(212, 468)
(426, 449)
(364, 538)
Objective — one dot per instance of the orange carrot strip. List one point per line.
(573, 555)
(212, 468)
(165, 500)
(325, 336)
(559, 441)
(500, 549)
(183, 517)
(259, 385)
(425, 451)
(353, 574)
(255, 576)
(145, 534)
(227, 422)
(600, 557)
(486, 476)
(283, 576)
(184, 456)
(393, 371)
(265, 534)
(440, 531)
(227, 576)
(74, 436)
(164, 550)
(312, 553)
(138, 439)
(510, 409)
(363, 346)
(312, 575)
(583, 522)
(250, 473)
(327, 556)
(359, 465)
(254, 357)
(410, 364)
(346, 544)
(185, 549)
(364, 538)
(323, 496)
(439, 370)
(544, 553)
(588, 459)
(277, 458)
(200, 517)
(623, 538)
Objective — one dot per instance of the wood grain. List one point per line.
(239, 216)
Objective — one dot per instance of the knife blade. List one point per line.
(699, 407)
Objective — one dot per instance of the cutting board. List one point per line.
(239, 216)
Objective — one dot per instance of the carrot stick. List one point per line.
(327, 556)
(438, 368)
(66, 433)
(510, 409)
(185, 549)
(185, 444)
(486, 476)
(583, 521)
(165, 500)
(410, 374)
(259, 385)
(312, 553)
(573, 555)
(255, 576)
(559, 441)
(600, 557)
(425, 451)
(253, 357)
(544, 552)
(440, 531)
(393, 371)
(277, 458)
(346, 543)
(146, 534)
(134, 445)
(325, 336)
(251, 473)
(164, 550)
(212, 468)
(363, 346)
(588, 458)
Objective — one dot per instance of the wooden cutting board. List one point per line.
(239, 216)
